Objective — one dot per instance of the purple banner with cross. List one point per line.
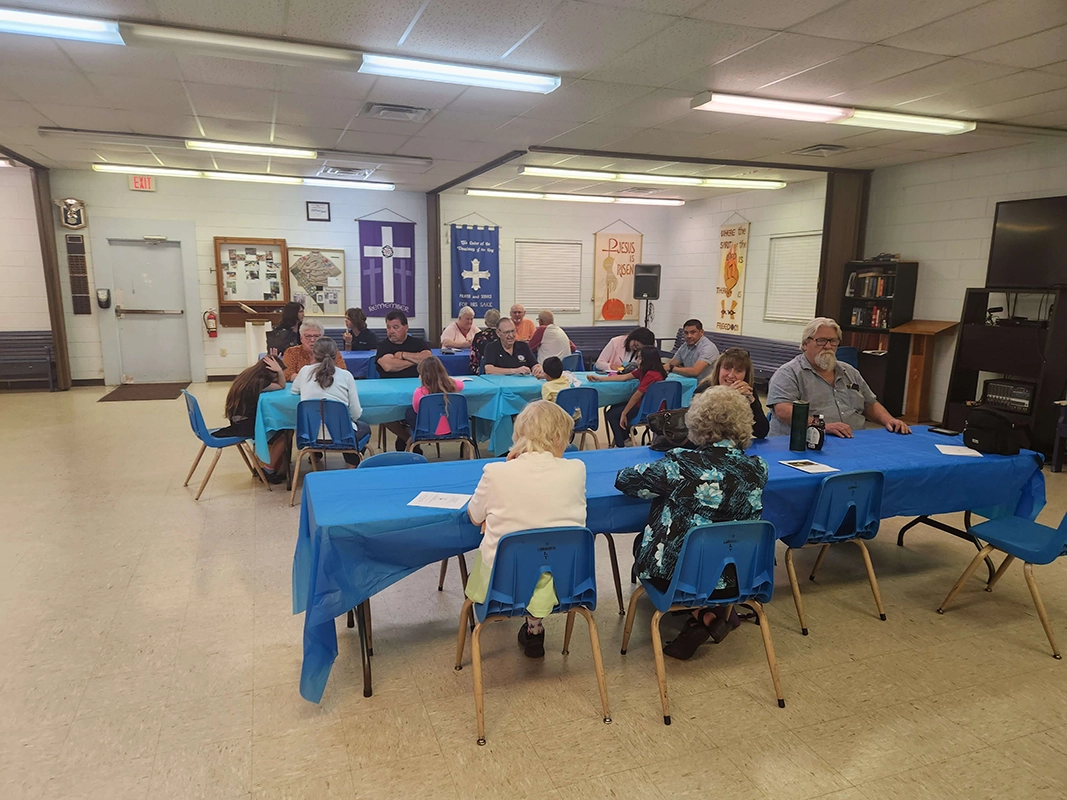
(387, 267)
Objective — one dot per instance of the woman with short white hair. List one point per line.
(535, 488)
(299, 356)
(715, 482)
(460, 334)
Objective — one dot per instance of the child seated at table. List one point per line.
(323, 380)
(535, 488)
(650, 370)
(434, 379)
(556, 382)
(242, 402)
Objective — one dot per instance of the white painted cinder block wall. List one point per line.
(220, 208)
(940, 213)
(21, 268)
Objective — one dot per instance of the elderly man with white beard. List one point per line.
(831, 388)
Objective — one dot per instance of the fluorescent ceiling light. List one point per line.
(6, 162)
(55, 26)
(251, 177)
(908, 122)
(762, 107)
(575, 198)
(127, 169)
(381, 187)
(442, 72)
(249, 149)
(650, 178)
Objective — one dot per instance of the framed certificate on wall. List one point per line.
(318, 212)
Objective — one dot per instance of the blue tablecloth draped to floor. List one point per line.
(358, 535)
(361, 362)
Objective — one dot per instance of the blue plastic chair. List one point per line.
(315, 417)
(521, 558)
(1020, 538)
(432, 409)
(574, 362)
(582, 404)
(705, 554)
(849, 355)
(661, 396)
(208, 439)
(847, 508)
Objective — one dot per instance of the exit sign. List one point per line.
(142, 183)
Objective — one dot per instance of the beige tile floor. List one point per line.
(147, 650)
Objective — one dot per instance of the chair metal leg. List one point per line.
(1028, 573)
(631, 612)
(351, 618)
(567, 634)
(258, 468)
(210, 469)
(370, 636)
(196, 463)
(479, 700)
(967, 573)
(441, 578)
(615, 571)
(818, 561)
(871, 577)
(598, 661)
(765, 629)
(296, 477)
(364, 656)
(1000, 571)
(794, 585)
(661, 669)
(461, 637)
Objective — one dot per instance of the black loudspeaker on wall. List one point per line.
(646, 281)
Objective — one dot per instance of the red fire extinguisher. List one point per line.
(211, 323)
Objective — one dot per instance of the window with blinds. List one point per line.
(793, 278)
(548, 274)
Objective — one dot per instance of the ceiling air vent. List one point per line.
(348, 173)
(820, 150)
(395, 113)
(641, 190)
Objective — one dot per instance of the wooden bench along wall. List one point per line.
(28, 356)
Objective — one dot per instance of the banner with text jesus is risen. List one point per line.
(614, 256)
(387, 267)
(475, 268)
(730, 293)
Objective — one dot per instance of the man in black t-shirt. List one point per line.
(399, 355)
(508, 356)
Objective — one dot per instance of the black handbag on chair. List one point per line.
(668, 429)
(989, 431)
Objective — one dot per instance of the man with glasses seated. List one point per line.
(298, 356)
(832, 388)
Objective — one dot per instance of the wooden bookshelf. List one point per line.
(877, 296)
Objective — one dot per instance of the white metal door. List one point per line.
(149, 302)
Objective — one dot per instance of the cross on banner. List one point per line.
(475, 275)
(386, 252)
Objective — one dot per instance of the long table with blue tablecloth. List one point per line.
(491, 401)
(361, 362)
(358, 535)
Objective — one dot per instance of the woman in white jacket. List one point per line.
(323, 380)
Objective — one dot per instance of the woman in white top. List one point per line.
(511, 497)
(460, 334)
(323, 380)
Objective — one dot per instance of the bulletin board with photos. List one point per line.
(317, 280)
(253, 273)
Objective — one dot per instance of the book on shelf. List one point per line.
(872, 343)
(870, 285)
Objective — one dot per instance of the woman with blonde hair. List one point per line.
(434, 379)
(715, 482)
(535, 488)
(734, 369)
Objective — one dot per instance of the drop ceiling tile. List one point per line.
(125, 9)
(791, 131)
(987, 93)
(370, 25)
(521, 132)
(20, 113)
(875, 20)
(589, 136)
(235, 130)
(852, 71)
(1048, 119)
(150, 94)
(364, 142)
(660, 142)
(677, 51)
(306, 136)
(651, 110)
(143, 62)
(675, 8)
(945, 76)
(47, 86)
(444, 29)
(875, 138)
(579, 37)
(247, 16)
(177, 124)
(319, 112)
(1036, 50)
(987, 25)
(451, 150)
(775, 15)
(230, 72)
(325, 83)
(738, 148)
(186, 160)
(499, 101)
(231, 102)
(444, 171)
(465, 127)
(31, 53)
(1059, 68)
(1023, 107)
(586, 100)
(771, 60)
(705, 122)
(425, 94)
(230, 163)
(367, 124)
(973, 142)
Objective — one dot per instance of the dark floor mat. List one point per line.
(145, 391)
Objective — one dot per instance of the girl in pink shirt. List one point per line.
(434, 379)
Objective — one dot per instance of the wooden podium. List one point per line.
(921, 365)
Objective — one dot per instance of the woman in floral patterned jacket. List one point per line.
(716, 482)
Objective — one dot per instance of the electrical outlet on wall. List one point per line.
(222, 352)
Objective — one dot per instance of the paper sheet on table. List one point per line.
(809, 466)
(958, 450)
(440, 500)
